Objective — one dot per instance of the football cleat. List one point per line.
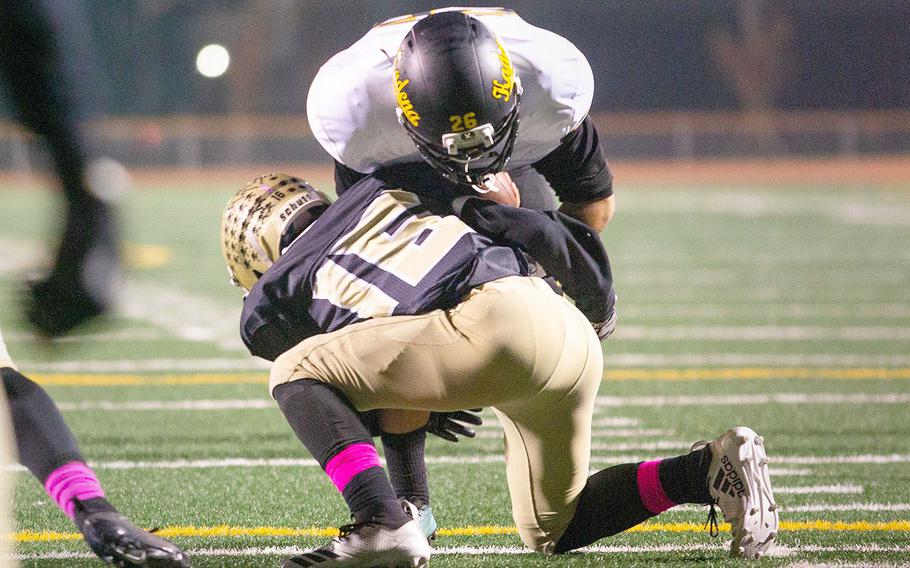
(739, 484)
(423, 515)
(81, 284)
(117, 541)
(369, 545)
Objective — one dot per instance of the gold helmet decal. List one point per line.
(255, 220)
(503, 90)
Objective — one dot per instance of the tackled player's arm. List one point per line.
(579, 174)
(566, 248)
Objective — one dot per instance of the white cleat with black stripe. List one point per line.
(740, 486)
(369, 545)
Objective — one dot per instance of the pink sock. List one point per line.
(73, 480)
(349, 462)
(650, 490)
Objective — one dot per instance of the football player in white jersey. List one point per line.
(476, 94)
(470, 91)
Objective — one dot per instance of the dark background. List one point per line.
(646, 55)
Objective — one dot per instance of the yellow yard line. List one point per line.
(229, 531)
(627, 374)
(104, 380)
(140, 256)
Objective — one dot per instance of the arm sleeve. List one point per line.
(266, 332)
(564, 247)
(577, 169)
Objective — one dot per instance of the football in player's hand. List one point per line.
(501, 189)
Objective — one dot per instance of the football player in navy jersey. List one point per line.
(414, 302)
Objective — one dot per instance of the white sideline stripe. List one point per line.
(649, 446)
(807, 564)
(763, 333)
(839, 489)
(754, 399)
(617, 360)
(600, 433)
(139, 405)
(720, 547)
(616, 421)
(125, 335)
(306, 462)
(755, 360)
(832, 508)
(765, 310)
(857, 459)
(490, 428)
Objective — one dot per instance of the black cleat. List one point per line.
(117, 541)
(80, 285)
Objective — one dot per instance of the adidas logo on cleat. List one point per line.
(727, 480)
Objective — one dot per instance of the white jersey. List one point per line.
(351, 103)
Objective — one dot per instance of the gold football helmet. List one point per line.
(262, 220)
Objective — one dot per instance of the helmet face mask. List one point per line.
(262, 220)
(458, 96)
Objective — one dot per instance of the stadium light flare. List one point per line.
(213, 60)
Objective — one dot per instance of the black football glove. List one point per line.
(450, 425)
(605, 328)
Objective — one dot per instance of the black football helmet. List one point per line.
(458, 96)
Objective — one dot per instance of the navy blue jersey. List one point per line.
(375, 252)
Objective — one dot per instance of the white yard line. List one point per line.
(612, 361)
(754, 399)
(853, 460)
(637, 446)
(496, 433)
(719, 547)
(491, 425)
(763, 333)
(838, 489)
(767, 310)
(483, 459)
(150, 405)
(187, 316)
(841, 507)
(123, 335)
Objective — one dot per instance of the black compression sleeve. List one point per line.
(577, 170)
(43, 439)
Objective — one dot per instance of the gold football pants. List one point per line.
(513, 345)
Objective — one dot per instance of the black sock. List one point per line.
(370, 498)
(89, 506)
(407, 469)
(685, 478)
(609, 504)
(326, 422)
(43, 439)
